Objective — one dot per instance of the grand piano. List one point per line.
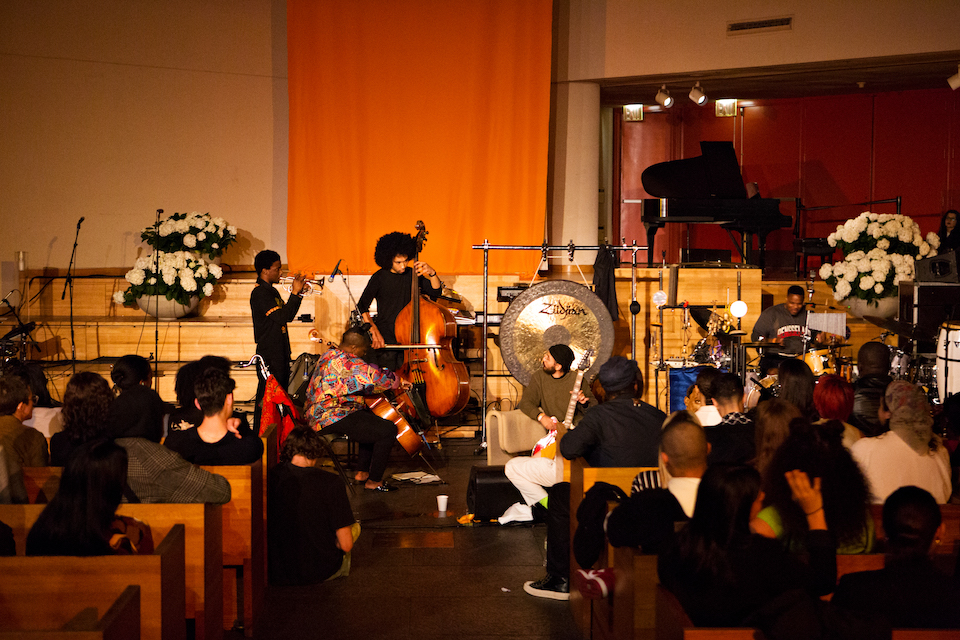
(708, 189)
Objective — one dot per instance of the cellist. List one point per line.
(390, 286)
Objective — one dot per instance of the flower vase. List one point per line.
(163, 309)
(885, 308)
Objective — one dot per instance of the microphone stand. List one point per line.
(156, 297)
(69, 284)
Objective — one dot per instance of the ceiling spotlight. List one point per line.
(697, 95)
(954, 80)
(663, 98)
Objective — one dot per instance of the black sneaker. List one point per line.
(549, 586)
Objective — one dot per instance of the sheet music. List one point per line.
(835, 323)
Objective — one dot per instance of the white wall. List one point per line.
(111, 109)
(644, 37)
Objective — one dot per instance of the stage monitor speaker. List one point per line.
(941, 268)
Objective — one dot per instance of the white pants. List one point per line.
(531, 475)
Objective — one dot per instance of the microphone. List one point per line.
(159, 211)
(80, 221)
(336, 270)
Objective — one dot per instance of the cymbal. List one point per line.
(549, 313)
(22, 329)
(903, 329)
(736, 332)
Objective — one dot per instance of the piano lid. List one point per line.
(713, 174)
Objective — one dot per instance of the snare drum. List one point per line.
(948, 360)
(820, 361)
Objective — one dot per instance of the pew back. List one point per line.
(120, 622)
(54, 587)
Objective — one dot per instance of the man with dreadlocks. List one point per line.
(390, 286)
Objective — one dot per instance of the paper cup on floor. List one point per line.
(442, 504)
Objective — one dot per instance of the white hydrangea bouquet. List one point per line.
(177, 276)
(195, 231)
(879, 250)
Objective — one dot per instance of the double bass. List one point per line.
(434, 369)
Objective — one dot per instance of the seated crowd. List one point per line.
(770, 496)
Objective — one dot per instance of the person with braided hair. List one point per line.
(390, 286)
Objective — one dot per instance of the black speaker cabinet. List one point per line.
(490, 493)
(927, 305)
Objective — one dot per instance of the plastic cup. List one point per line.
(442, 503)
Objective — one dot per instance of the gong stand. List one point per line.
(544, 248)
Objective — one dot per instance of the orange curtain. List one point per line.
(406, 110)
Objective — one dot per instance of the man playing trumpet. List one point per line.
(270, 318)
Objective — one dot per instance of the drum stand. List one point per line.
(570, 248)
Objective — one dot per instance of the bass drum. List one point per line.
(758, 390)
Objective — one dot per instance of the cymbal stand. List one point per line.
(356, 318)
(570, 248)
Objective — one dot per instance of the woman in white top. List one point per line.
(910, 454)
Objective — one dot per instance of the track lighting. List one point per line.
(663, 98)
(954, 80)
(697, 95)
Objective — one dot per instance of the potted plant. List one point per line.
(879, 250)
(169, 285)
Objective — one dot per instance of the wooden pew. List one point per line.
(203, 569)
(120, 622)
(582, 478)
(673, 623)
(54, 587)
(244, 545)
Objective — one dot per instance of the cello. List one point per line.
(434, 370)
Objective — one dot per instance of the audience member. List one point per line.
(873, 367)
(86, 401)
(773, 419)
(733, 440)
(908, 454)
(621, 432)
(215, 441)
(22, 446)
(796, 387)
(81, 518)
(137, 411)
(949, 238)
(647, 518)
(909, 592)
(833, 400)
(187, 415)
(693, 400)
(310, 526)
(726, 577)
(707, 414)
(818, 451)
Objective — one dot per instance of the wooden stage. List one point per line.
(104, 331)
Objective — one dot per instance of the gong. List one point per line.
(549, 313)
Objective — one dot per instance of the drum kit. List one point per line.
(929, 371)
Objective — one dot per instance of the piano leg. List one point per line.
(651, 236)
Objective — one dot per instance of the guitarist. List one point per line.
(545, 399)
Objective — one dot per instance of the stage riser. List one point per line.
(103, 329)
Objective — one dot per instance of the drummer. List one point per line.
(785, 325)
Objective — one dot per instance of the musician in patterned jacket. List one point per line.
(335, 404)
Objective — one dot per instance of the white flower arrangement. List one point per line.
(178, 276)
(879, 251)
(196, 231)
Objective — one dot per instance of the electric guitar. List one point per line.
(546, 447)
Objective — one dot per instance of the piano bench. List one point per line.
(806, 247)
